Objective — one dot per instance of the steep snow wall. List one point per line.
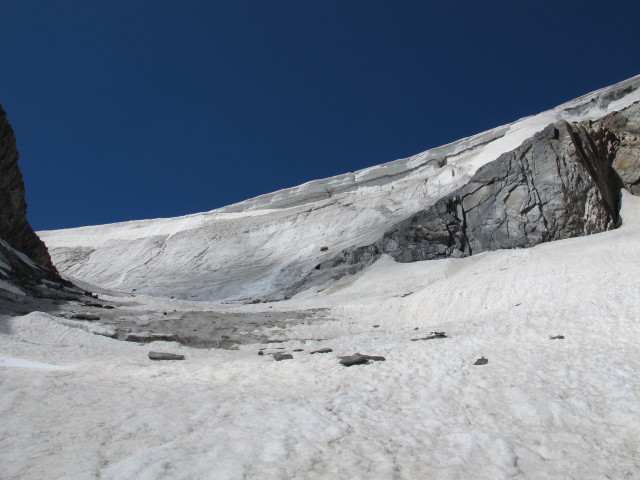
(259, 248)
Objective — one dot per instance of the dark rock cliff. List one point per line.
(563, 182)
(24, 259)
(14, 227)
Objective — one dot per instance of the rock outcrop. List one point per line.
(625, 125)
(563, 182)
(24, 259)
(14, 227)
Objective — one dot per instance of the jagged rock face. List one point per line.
(563, 182)
(542, 191)
(24, 259)
(626, 127)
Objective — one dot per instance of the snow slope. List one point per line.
(540, 409)
(254, 249)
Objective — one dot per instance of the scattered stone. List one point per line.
(376, 326)
(359, 359)
(165, 356)
(282, 356)
(298, 350)
(406, 294)
(481, 361)
(322, 350)
(260, 352)
(417, 328)
(85, 316)
(557, 337)
(324, 249)
(148, 337)
(432, 336)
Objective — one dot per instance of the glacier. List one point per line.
(557, 322)
(256, 249)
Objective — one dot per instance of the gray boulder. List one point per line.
(165, 356)
(359, 359)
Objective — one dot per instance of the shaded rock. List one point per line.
(85, 316)
(165, 356)
(359, 359)
(148, 337)
(14, 227)
(96, 305)
(282, 356)
(481, 361)
(26, 267)
(433, 336)
(626, 127)
(298, 350)
(322, 350)
(557, 337)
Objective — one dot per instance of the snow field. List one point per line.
(540, 409)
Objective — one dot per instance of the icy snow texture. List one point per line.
(255, 249)
(539, 409)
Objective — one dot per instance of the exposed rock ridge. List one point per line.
(563, 182)
(25, 265)
(14, 227)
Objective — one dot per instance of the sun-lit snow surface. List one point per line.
(539, 409)
(255, 248)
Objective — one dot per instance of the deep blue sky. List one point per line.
(143, 109)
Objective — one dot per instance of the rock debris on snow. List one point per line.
(165, 356)
(481, 361)
(282, 356)
(85, 316)
(432, 336)
(322, 350)
(359, 359)
(148, 337)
